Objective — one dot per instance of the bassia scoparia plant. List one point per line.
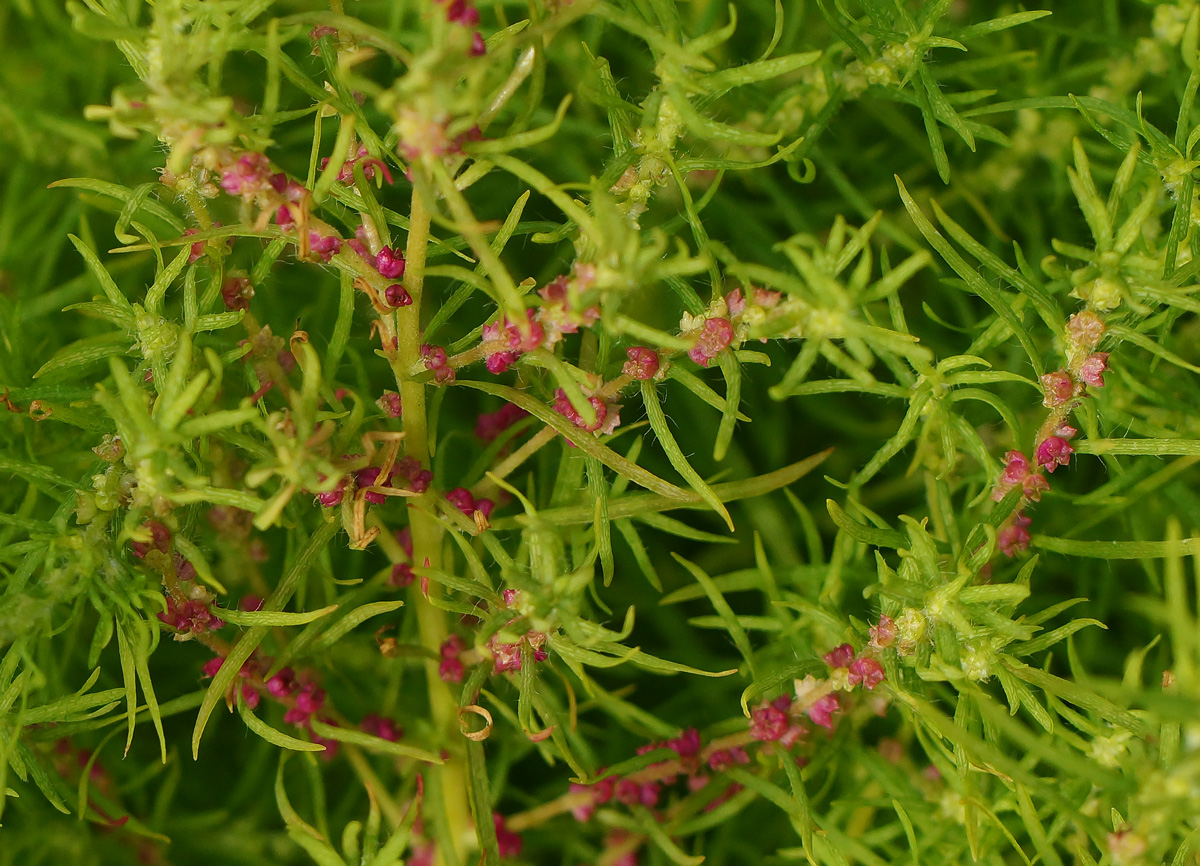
(599, 432)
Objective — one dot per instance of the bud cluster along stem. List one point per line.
(1063, 392)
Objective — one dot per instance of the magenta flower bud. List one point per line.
(736, 302)
(197, 249)
(1057, 389)
(461, 499)
(250, 696)
(390, 264)
(397, 296)
(643, 363)
(451, 670)
(1054, 451)
(768, 723)
(402, 575)
(1013, 536)
(628, 792)
(451, 647)
(687, 744)
(310, 698)
(478, 46)
(1092, 369)
(296, 716)
(390, 404)
(499, 362)
(822, 711)
(715, 335)
(283, 216)
(282, 684)
(840, 656)
(485, 507)
(330, 498)
(1034, 485)
(212, 666)
(867, 671)
(250, 603)
(508, 842)
(720, 760)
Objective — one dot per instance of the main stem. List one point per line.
(427, 540)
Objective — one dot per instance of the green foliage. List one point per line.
(605, 431)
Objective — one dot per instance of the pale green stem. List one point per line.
(427, 539)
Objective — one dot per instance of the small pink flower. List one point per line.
(736, 302)
(1057, 389)
(451, 670)
(197, 249)
(715, 335)
(499, 362)
(478, 46)
(1054, 451)
(822, 711)
(390, 404)
(310, 698)
(401, 576)
(396, 295)
(1092, 370)
(250, 603)
(390, 264)
(840, 656)
(330, 498)
(438, 363)
(369, 477)
(282, 684)
(1013, 536)
(506, 656)
(461, 499)
(485, 507)
(768, 723)
(687, 744)
(250, 696)
(1034, 485)
(643, 363)
(867, 671)
(325, 247)
(212, 666)
(883, 634)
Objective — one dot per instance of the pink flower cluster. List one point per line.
(389, 403)
(506, 657)
(249, 175)
(438, 363)
(451, 668)
(608, 417)
(710, 338)
(863, 670)
(643, 363)
(645, 787)
(190, 616)
(507, 342)
(771, 722)
(461, 498)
